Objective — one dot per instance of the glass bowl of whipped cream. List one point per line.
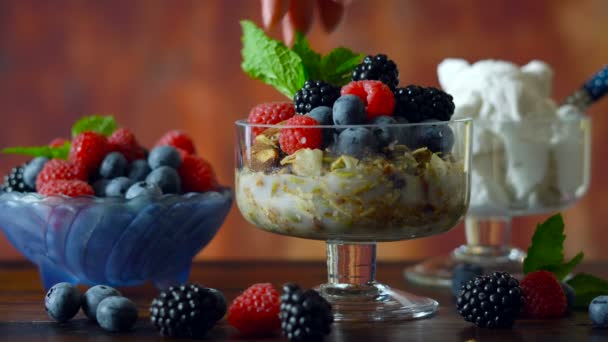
(530, 156)
(350, 187)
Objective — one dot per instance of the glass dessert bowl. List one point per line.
(113, 241)
(353, 195)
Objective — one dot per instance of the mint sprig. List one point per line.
(547, 249)
(273, 63)
(587, 287)
(105, 125)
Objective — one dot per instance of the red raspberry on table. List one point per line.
(543, 295)
(256, 311)
(378, 98)
(123, 141)
(57, 169)
(293, 139)
(57, 142)
(88, 150)
(270, 113)
(196, 174)
(177, 139)
(66, 187)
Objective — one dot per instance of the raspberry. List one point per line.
(123, 141)
(66, 187)
(177, 139)
(377, 96)
(256, 311)
(196, 174)
(544, 296)
(57, 142)
(293, 139)
(88, 150)
(270, 114)
(57, 169)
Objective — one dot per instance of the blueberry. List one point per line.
(437, 138)
(92, 298)
(598, 311)
(113, 165)
(323, 115)
(116, 314)
(143, 189)
(166, 178)
(117, 187)
(356, 141)
(31, 171)
(138, 170)
(220, 307)
(461, 274)
(570, 295)
(100, 187)
(385, 134)
(349, 110)
(62, 302)
(164, 156)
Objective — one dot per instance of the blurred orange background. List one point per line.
(158, 65)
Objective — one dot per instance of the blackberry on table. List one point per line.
(305, 315)
(187, 311)
(315, 94)
(416, 103)
(379, 68)
(491, 301)
(14, 182)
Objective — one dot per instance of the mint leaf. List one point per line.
(562, 270)
(270, 61)
(105, 125)
(338, 65)
(310, 59)
(61, 152)
(587, 287)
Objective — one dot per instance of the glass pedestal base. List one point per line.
(437, 271)
(376, 302)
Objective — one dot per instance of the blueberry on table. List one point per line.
(356, 141)
(349, 110)
(461, 274)
(166, 178)
(138, 170)
(118, 187)
(62, 302)
(143, 189)
(92, 298)
(598, 311)
(164, 156)
(32, 169)
(114, 165)
(570, 295)
(116, 314)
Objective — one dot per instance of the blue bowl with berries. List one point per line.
(101, 210)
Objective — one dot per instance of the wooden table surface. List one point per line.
(23, 318)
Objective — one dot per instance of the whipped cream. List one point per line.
(529, 154)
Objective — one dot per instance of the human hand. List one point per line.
(297, 15)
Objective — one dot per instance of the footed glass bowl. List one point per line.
(113, 241)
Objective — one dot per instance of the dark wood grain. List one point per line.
(22, 316)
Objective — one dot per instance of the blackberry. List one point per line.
(305, 315)
(315, 94)
(187, 311)
(13, 182)
(416, 103)
(491, 301)
(379, 68)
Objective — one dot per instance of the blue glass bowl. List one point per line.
(113, 241)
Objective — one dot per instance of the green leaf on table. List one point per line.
(547, 249)
(271, 61)
(105, 125)
(60, 152)
(587, 287)
(338, 65)
(310, 58)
